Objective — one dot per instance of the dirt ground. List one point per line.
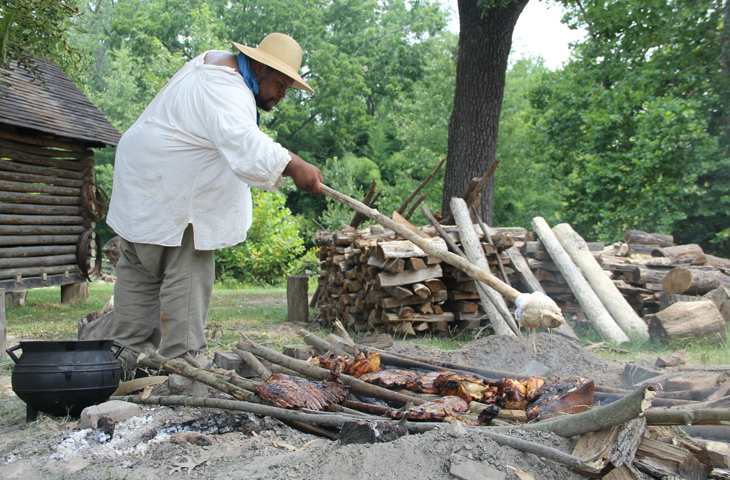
(239, 446)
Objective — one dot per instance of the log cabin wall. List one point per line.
(49, 201)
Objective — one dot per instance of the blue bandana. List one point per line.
(246, 70)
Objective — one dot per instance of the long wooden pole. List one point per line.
(594, 309)
(420, 187)
(448, 257)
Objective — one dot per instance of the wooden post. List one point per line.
(615, 303)
(592, 306)
(3, 327)
(15, 299)
(74, 291)
(296, 298)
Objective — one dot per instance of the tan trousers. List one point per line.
(161, 298)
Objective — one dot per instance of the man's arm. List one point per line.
(306, 176)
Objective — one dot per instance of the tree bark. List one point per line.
(484, 46)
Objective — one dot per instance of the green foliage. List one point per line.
(272, 246)
(636, 127)
(37, 29)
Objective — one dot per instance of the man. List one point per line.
(181, 190)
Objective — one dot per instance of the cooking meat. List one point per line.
(467, 386)
(425, 384)
(562, 396)
(513, 394)
(391, 378)
(338, 364)
(442, 409)
(286, 391)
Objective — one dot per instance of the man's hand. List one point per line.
(306, 176)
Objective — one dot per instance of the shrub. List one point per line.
(272, 247)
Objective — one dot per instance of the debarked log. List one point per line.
(37, 271)
(621, 411)
(304, 368)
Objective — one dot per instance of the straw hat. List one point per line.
(280, 52)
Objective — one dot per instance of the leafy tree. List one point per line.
(36, 29)
(638, 125)
(485, 41)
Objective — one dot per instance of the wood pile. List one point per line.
(372, 280)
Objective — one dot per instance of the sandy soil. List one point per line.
(238, 446)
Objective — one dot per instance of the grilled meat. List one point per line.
(285, 391)
(513, 394)
(425, 384)
(562, 396)
(359, 366)
(442, 409)
(391, 378)
(469, 387)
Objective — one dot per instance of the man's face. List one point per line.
(272, 88)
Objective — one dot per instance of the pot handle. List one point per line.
(10, 351)
(118, 352)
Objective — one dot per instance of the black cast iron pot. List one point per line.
(64, 377)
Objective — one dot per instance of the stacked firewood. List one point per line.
(372, 280)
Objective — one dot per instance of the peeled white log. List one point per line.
(473, 249)
(596, 313)
(615, 303)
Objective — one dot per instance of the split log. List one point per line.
(664, 460)
(408, 277)
(406, 249)
(690, 253)
(473, 250)
(693, 280)
(604, 288)
(683, 320)
(596, 313)
(621, 411)
(643, 238)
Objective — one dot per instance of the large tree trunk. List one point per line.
(484, 45)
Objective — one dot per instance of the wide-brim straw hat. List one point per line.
(280, 52)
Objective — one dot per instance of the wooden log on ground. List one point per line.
(473, 250)
(684, 320)
(693, 280)
(690, 253)
(615, 303)
(596, 313)
(643, 238)
(718, 262)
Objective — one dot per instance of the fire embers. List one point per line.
(444, 409)
(285, 391)
(562, 396)
(517, 394)
(337, 364)
(391, 378)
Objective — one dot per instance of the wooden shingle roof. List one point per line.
(59, 107)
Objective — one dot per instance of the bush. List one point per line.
(271, 249)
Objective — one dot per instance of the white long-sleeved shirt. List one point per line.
(190, 158)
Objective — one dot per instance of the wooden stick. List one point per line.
(254, 363)
(483, 226)
(415, 205)
(304, 368)
(357, 219)
(448, 257)
(683, 416)
(321, 345)
(420, 187)
(187, 370)
(621, 411)
(480, 186)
